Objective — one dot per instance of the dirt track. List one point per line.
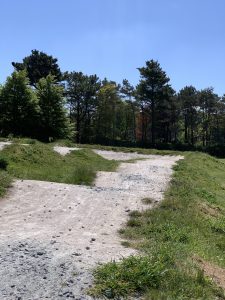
(53, 234)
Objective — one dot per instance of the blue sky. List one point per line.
(112, 38)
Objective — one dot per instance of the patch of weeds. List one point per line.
(126, 244)
(151, 275)
(133, 222)
(130, 275)
(147, 201)
(135, 213)
(5, 181)
(121, 231)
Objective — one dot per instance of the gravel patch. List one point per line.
(52, 235)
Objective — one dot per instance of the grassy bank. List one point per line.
(38, 161)
(176, 239)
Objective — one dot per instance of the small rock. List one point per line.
(76, 254)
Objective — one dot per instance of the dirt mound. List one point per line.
(53, 234)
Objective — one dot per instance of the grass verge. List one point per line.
(189, 224)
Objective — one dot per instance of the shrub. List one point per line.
(3, 164)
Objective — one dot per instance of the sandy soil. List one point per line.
(53, 234)
(4, 144)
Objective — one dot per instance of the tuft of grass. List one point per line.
(126, 244)
(38, 161)
(5, 181)
(135, 214)
(170, 235)
(147, 201)
(156, 275)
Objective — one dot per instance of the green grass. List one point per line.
(171, 236)
(5, 181)
(38, 161)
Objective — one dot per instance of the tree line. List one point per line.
(40, 101)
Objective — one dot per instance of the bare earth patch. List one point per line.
(4, 144)
(53, 234)
(65, 150)
(216, 273)
(209, 210)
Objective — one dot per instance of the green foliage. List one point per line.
(52, 117)
(171, 235)
(81, 91)
(5, 181)
(151, 90)
(18, 106)
(156, 275)
(107, 112)
(39, 65)
(150, 115)
(132, 275)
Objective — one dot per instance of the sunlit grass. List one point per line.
(171, 236)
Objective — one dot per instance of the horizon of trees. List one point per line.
(40, 101)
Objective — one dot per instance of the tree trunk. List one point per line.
(153, 121)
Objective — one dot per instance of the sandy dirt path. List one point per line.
(53, 234)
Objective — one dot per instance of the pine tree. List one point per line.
(53, 121)
(18, 106)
